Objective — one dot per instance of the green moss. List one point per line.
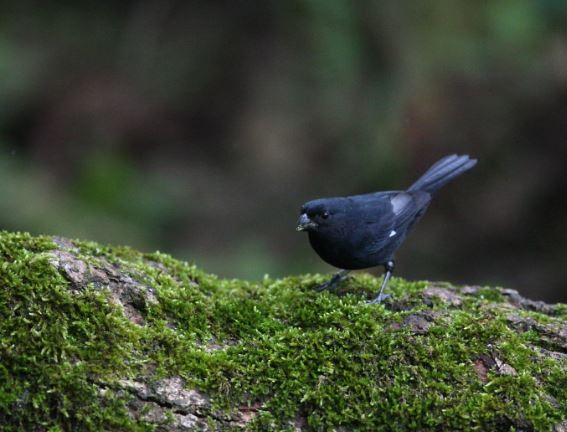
(54, 344)
(490, 294)
(277, 345)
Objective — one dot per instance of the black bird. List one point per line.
(363, 231)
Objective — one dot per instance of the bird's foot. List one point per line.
(389, 266)
(378, 299)
(335, 281)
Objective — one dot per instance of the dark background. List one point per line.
(199, 128)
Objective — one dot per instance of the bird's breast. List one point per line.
(347, 249)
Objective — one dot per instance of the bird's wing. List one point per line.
(407, 207)
(395, 214)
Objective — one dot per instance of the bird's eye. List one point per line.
(325, 215)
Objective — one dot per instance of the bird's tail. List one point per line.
(442, 172)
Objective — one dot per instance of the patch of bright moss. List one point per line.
(55, 344)
(490, 294)
(276, 344)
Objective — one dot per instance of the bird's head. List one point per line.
(318, 214)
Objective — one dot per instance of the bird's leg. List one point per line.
(389, 267)
(337, 278)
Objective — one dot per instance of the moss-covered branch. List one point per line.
(100, 338)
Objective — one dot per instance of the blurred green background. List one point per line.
(199, 128)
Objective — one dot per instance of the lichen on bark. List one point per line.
(106, 338)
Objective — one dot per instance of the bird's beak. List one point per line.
(305, 224)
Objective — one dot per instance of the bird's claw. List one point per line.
(325, 286)
(378, 299)
(330, 285)
(336, 280)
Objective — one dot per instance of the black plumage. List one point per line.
(363, 231)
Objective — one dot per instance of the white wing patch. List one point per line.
(400, 202)
(392, 233)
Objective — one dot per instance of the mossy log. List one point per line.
(103, 338)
